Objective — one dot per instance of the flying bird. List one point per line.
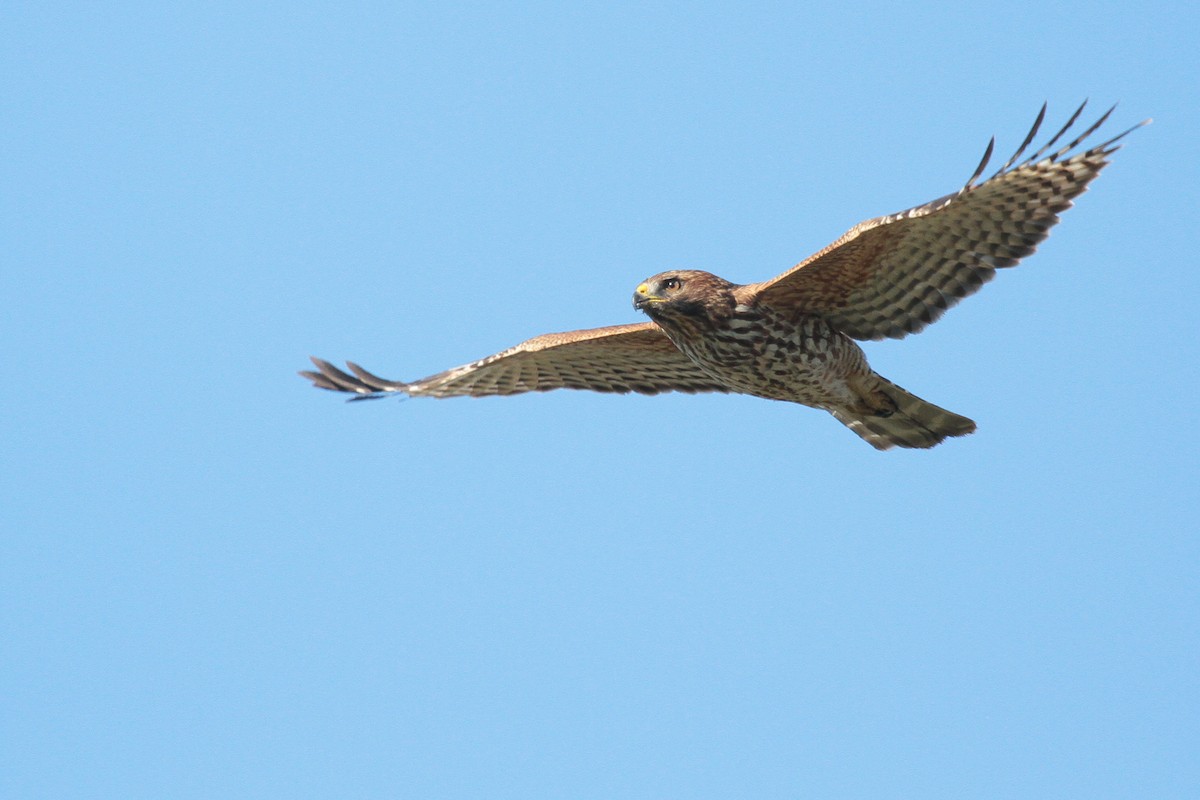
(792, 337)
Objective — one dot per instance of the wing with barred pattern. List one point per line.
(892, 276)
(622, 358)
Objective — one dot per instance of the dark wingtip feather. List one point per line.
(987, 156)
(318, 380)
(1076, 141)
(333, 378)
(374, 381)
(1046, 147)
(1037, 124)
(1111, 145)
(365, 386)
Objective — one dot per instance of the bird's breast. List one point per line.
(768, 355)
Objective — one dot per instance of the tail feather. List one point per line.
(913, 423)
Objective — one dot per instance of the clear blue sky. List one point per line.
(218, 582)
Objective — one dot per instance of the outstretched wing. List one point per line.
(892, 276)
(622, 358)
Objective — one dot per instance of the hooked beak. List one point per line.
(642, 296)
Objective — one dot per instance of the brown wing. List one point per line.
(892, 276)
(623, 358)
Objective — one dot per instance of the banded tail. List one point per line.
(911, 422)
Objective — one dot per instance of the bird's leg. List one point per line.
(873, 400)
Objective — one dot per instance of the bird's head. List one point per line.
(684, 293)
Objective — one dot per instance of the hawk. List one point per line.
(793, 337)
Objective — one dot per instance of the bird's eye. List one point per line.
(671, 284)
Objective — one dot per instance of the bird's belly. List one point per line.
(803, 362)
